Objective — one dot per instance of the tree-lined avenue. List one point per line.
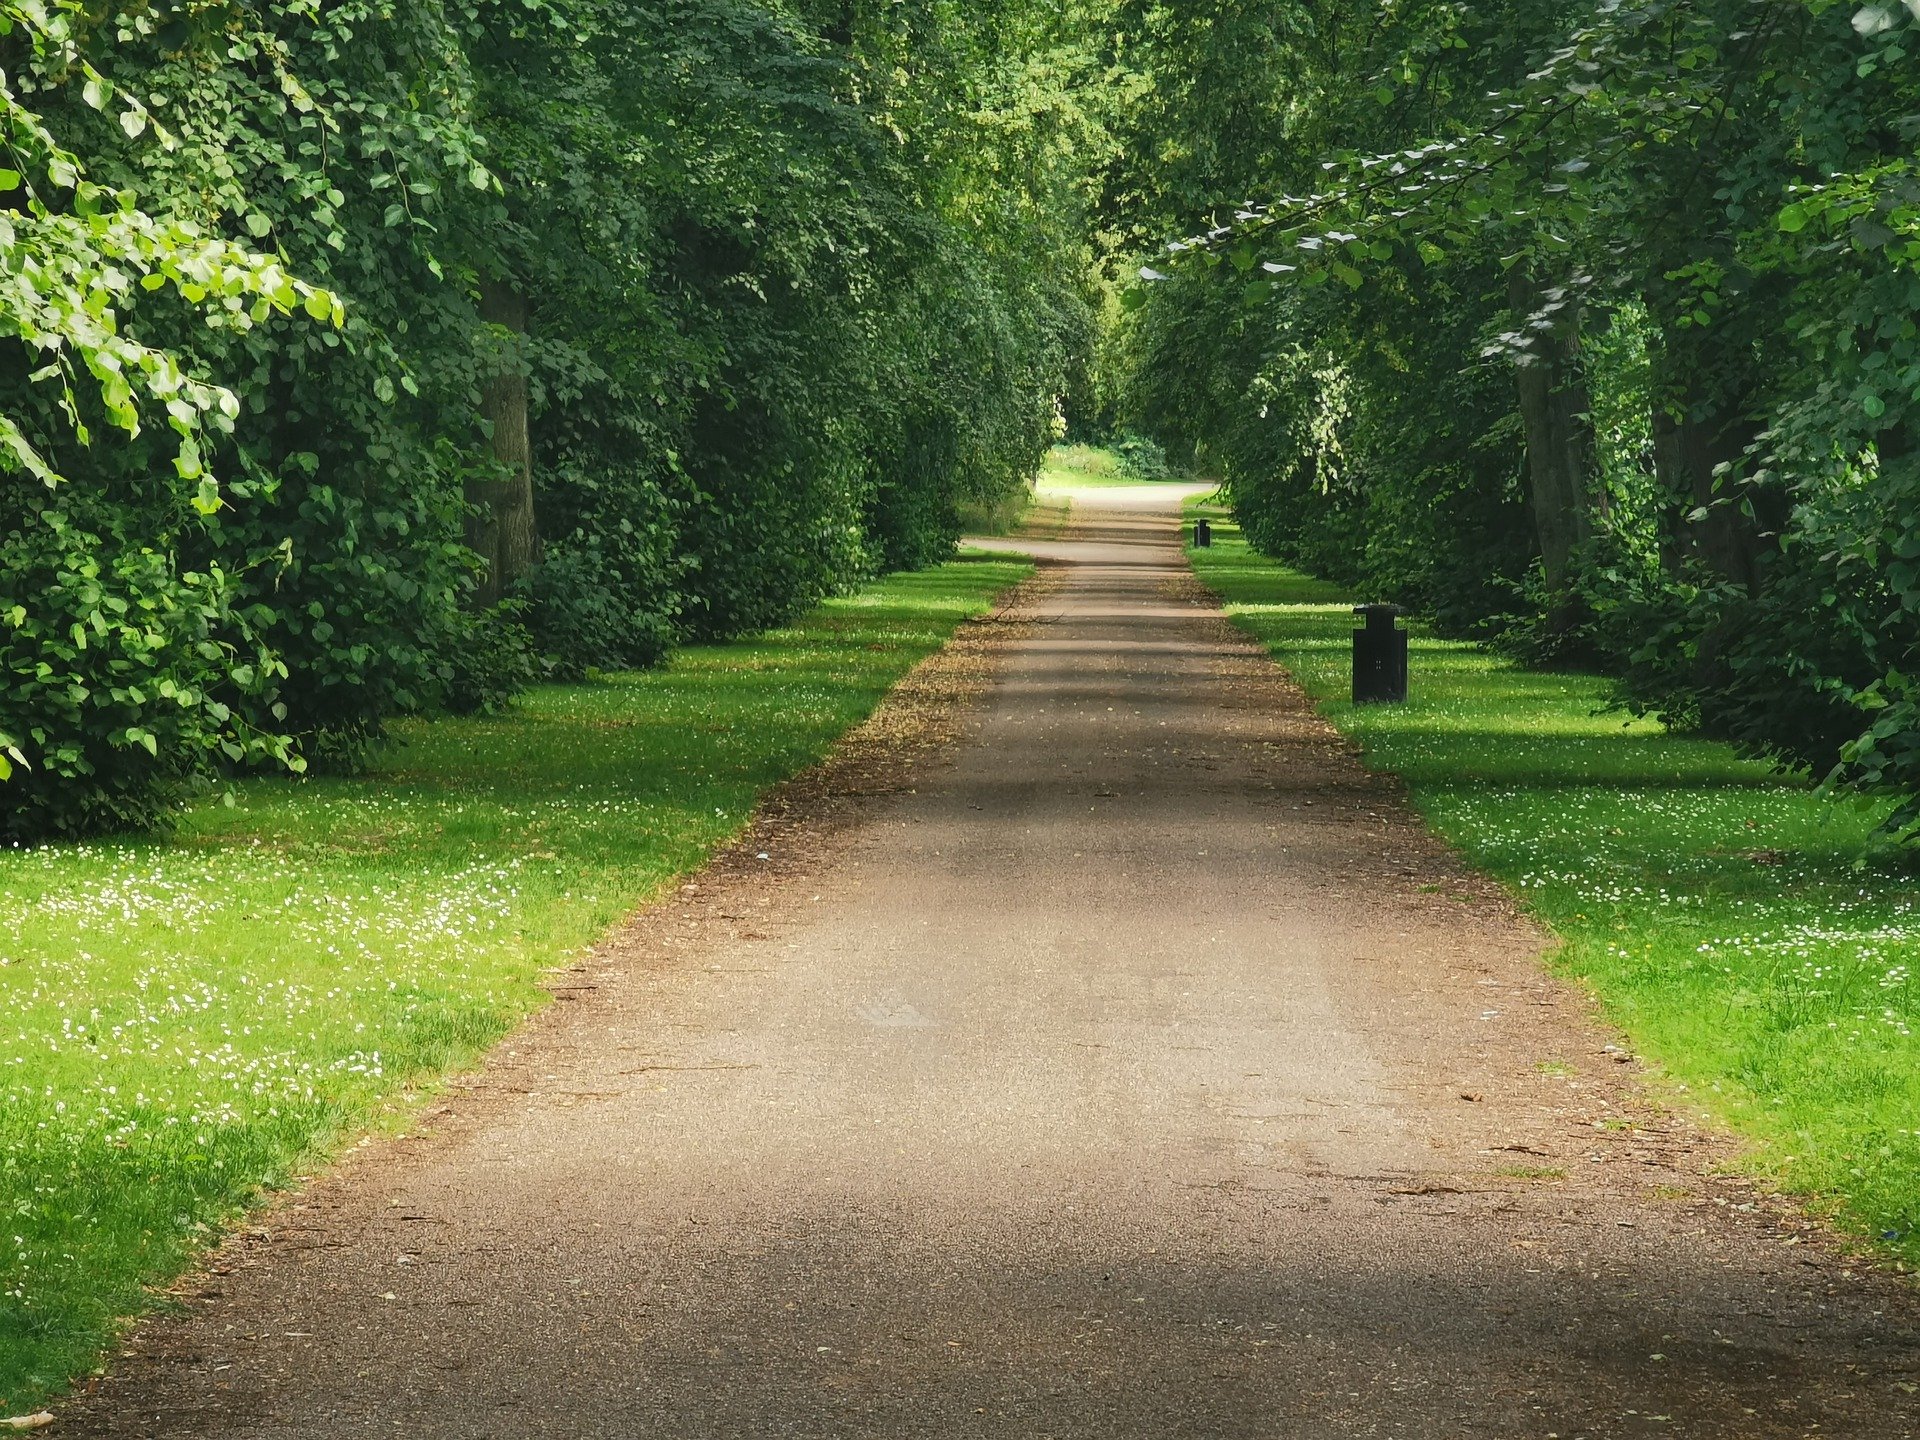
(1134, 1067)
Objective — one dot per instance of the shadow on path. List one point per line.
(1135, 1067)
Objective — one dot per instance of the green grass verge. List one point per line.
(1080, 467)
(1046, 518)
(1028, 514)
(184, 1025)
(1730, 920)
(1000, 517)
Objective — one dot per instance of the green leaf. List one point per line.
(1793, 218)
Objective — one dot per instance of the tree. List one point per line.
(1725, 187)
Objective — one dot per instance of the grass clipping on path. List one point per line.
(1720, 911)
(183, 1024)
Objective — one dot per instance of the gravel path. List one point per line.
(1127, 1065)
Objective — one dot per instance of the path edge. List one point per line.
(920, 715)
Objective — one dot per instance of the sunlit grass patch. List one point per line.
(1735, 924)
(1028, 514)
(1086, 464)
(1079, 467)
(182, 1024)
(1000, 516)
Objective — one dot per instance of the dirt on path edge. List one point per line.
(1701, 1146)
(923, 712)
(794, 834)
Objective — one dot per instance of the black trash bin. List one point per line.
(1202, 535)
(1379, 657)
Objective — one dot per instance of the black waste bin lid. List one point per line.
(1388, 613)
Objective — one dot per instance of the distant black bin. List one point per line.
(1379, 657)
(1202, 535)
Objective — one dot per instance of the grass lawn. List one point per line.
(1027, 513)
(1079, 467)
(1730, 920)
(184, 1024)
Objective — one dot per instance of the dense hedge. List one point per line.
(525, 338)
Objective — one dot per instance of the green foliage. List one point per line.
(127, 675)
(492, 658)
(1580, 328)
(1082, 464)
(585, 610)
(1141, 458)
(794, 285)
(187, 1025)
(78, 252)
(130, 670)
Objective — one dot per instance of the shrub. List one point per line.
(1142, 459)
(360, 592)
(123, 678)
(490, 659)
(583, 613)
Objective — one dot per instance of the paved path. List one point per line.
(1137, 1071)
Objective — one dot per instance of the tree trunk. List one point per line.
(502, 529)
(1559, 427)
(1895, 446)
(1692, 450)
(1669, 470)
